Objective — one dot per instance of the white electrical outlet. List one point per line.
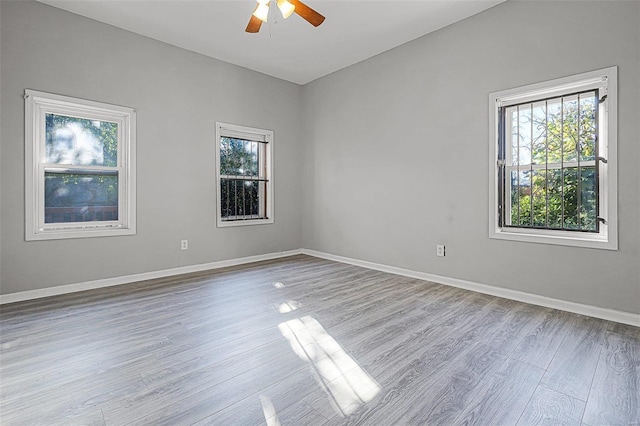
(440, 250)
(184, 245)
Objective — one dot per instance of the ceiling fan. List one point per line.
(287, 7)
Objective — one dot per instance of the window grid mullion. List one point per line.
(262, 196)
(579, 180)
(562, 225)
(73, 167)
(546, 162)
(244, 172)
(235, 197)
(501, 166)
(228, 195)
(531, 194)
(251, 171)
(518, 160)
(597, 156)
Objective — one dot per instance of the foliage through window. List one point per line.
(551, 174)
(553, 166)
(79, 168)
(244, 175)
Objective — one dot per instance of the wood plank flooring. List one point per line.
(305, 341)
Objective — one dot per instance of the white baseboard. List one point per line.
(534, 299)
(108, 282)
(520, 296)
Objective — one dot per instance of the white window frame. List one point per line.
(607, 237)
(253, 134)
(37, 105)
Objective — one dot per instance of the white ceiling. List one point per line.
(292, 50)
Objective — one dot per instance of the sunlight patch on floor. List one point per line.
(269, 411)
(288, 306)
(341, 377)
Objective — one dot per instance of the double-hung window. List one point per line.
(79, 168)
(243, 169)
(553, 154)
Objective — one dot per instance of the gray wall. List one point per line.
(178, 96)
(0, 152)
(397, 150)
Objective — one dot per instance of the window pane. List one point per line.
(525, 197)
(514, 196)
(239, 157)
(554, 131)
(539, 118)
(524, 135)
(521, 198)
(79, 197)
(539, 194)
(570, 128)
(79, 141)
(554, 191)
(587, 126)
(588, 212)
(570, 197)
(240, 198)
(512, 117)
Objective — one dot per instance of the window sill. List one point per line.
(596, 241)
(232, 223)
(77, 233)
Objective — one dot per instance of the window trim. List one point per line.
(248, 133)
(37, 105)
(607, 238)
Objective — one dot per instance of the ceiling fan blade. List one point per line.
(308, 14)
(254, 25)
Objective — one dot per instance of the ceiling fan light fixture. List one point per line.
(262, 11)
(286, 8)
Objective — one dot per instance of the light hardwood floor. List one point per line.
(305, 341)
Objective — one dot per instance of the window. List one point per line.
(553, 162)
(245, 187)
(80, 168)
